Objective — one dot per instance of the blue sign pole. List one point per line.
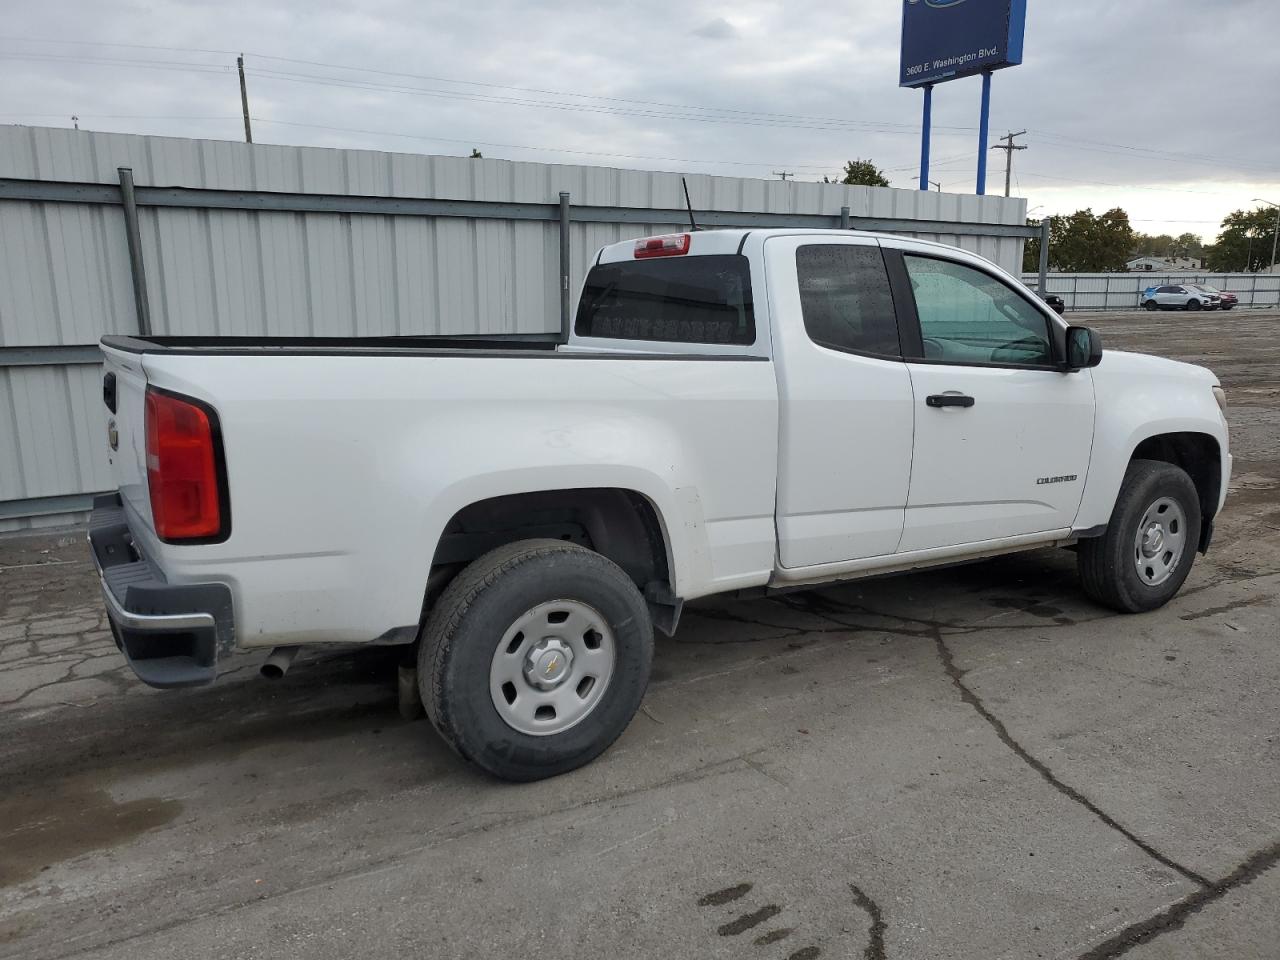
(983, 123)
(926, 124)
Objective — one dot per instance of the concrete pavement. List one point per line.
(969, 763)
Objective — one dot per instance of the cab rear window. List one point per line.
(703, 299)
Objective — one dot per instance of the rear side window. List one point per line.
(845, 298)
(674, 299)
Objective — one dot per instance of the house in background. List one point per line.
(1163, 264)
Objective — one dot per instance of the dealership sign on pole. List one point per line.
(948, 39)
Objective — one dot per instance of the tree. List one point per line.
(476, 154)
(1089, 243)
(1188, 245)
(1146, 245)
(863, 173)
(1245, 241)
(1031, 251)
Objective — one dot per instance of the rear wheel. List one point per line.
(1227, 306)
(535, 658)
(1149, 545)
(1151, 305)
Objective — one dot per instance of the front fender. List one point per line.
(1140, 397)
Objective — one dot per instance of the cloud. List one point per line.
(1170, 109)
(717, 29)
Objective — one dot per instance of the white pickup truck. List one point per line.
(734, 411)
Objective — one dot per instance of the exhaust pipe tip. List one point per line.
(278, 662)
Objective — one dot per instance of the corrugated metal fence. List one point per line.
(241, 239)
(1119, 291)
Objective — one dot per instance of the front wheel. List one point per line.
(535, 658)
(1144, 556)
(1227, 306)
(1193, 304)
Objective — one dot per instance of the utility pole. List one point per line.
(1276, 235)
(75, 120)
(935, 183)
(1008, 147)
(244, 100)
(783, 174)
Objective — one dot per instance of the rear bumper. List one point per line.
(171, 634)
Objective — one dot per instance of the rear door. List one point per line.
(1002, 438)
(845, 402)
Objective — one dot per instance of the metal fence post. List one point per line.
(844, 218)
(134, 235)
(1044, 255)
(564, 267)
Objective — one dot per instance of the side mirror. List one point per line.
(1084, 348)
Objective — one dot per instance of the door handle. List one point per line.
(948, 400)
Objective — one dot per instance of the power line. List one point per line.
(665, 111)
(866, 126)
(1124, 186)
(519, 146)
(1119, 149)
(684, 111)
(174, 65)
(118, 116)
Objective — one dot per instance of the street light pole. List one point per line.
(1276, 234)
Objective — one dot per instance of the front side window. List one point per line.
(845, 298)
(967, 316)
(703, 299)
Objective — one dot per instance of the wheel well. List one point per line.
(1197, 454)
(619, 524)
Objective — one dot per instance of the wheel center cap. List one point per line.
(1153, 540)
(548, 662)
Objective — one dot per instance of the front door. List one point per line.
(846, 408)
(1002, 437)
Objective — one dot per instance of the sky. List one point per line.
(1167, 108)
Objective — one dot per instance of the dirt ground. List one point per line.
(967, 763)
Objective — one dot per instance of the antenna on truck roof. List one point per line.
(688, 205)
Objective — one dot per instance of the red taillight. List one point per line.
(182, 468)
(675, 245)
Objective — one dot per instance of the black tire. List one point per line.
(1106, 563)
(1151, 305)
(1193, 304)
(469, 620)
(1227, 306)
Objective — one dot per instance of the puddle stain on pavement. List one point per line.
(40, 830)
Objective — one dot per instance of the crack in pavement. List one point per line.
(1175, 916)
(820, 605)
(1071, 793)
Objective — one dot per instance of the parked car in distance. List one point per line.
(733, 410)
(1186, 296)
(1225, 300)
(1058, 305)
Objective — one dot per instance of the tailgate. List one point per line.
(124, 387)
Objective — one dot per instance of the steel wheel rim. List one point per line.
(552, 666)
(1160, 540)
